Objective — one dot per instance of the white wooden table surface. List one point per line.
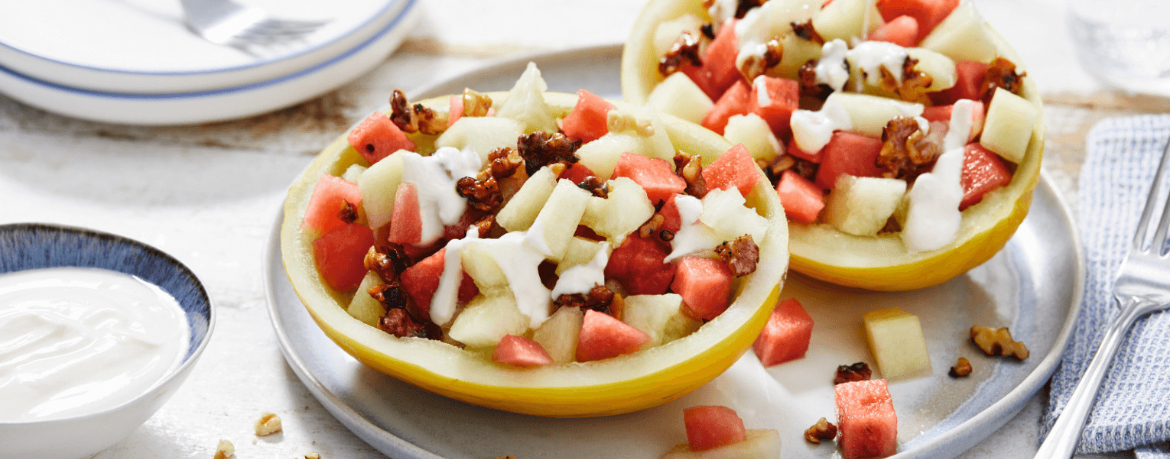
(208, 195)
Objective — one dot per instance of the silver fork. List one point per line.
(1142, 287)
(226, 22)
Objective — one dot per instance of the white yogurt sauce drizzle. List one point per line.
(519, 262)
(870, 56)
(581, 278)
(933, 217)
(830, 67)
(435, 177)
(693, 235)
(446, 296)
(75, 341)
(813, 130)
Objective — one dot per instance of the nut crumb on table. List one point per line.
(312, 456)
(268, 424)
(961, 369)
(224, 449)
(998, 342)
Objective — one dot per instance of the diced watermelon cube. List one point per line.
(520, 351)
(654, 175)
(406, 221)
(774, 100)
(735, 101)
(865, 419)
(702, 78)
(712, 426)
(587, 121)
(942, 114)
(814, 157)
(377, 137)
(786, 335)
(340, 255)
(735, 169)
(456, 110)
(802, 199)
(671, 220)
(848, 153)
(720, 59)
(983, 171)
(602, 336)
(928, 13)
(704, 285)
(576, 173)
(329, 196)
(902, 31)
(968, 84)
(637, 264)
(421, 280)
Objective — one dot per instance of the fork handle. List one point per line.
(1066, 432)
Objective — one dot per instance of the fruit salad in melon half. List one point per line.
(492, 341)
(830, 96)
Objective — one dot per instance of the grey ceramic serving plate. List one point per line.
(1032, 286)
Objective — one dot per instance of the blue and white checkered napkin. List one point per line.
(1133, 406)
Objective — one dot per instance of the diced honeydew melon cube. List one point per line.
(353, 173)
(482, 134)
(797, 51)
(553, 228)
(896, 341)
(602, 155)
(658, 316)
(755, 134)
(845, 19)
(667, 32)
(962, 36)
(760, 444)
(643, 122)
(525, 103)
(678, 95)
(870, 114)
(378, 186)
(486, 320)
(623, 212)
(363, 307)
(520, 211)
(940, 68)
(558, 334)
(478, 262)
(580, 251)
(861, 206)
(1008, 127)
(725, 212)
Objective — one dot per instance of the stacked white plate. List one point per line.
(134, 62)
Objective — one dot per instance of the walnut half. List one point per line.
(822, 430)
(998, 342)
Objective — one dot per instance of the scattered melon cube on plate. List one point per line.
(758, 444)
(521, 352)
(557, 221)
(378, 186)
(861, 206)
(678, 95)
(558, 334)
(896, 341)
(520, 211)
(726, 213)
(658, 316)
(709, 426)
(525, 103)
(602, 336)
(482, 134)
(618, 215)
(1009, 125)
(754, 134)
(962, 36)
(787, 334)
(363, 307)
(485, 321)
(866, 420)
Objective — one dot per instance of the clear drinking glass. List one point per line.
(1124, 43)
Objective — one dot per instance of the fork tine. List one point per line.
(1159, 241)
(1143, 227)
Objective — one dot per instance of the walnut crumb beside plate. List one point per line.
(224, 450)
(268, 424)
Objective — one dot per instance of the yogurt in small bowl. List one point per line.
(96, 332)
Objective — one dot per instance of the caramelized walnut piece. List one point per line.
(913, 83)
(741, 255)
(398, 322)
(755, 66)
(962, 368)
(1001, 73)
(539, 149)
(998, 342)
(690, 168)
(666, 235)
(684, 50)
(347, 213)
(595, 186)
(475, 104)
(485, 225)
(708, 30)
(268, 424)
(851, 373)
(807, 76)
(482, 192)
(600, 298)
(905, 151)
(387, 261)
(651, 226)
(391, 295)
(415, 119)
(504, 162)
(776, 167)
(821, 431)
(806, 31)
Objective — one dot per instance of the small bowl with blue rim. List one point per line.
(28, 246)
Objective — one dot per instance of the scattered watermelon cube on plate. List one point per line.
(866, 420)
(717, 432)
(787, 334)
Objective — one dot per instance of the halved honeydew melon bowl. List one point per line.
(879, 262)
(622, 384)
